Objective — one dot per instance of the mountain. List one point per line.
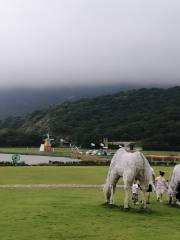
(148, 116)
(21, 101)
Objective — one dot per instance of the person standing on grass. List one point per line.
(135, 192)
(161, 186)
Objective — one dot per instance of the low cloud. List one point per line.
(77, 42)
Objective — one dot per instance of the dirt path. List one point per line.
(52, 186)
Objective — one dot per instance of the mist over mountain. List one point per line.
(21, 101)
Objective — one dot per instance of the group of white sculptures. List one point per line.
(134, 166)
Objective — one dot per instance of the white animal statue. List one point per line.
(174, 186)
(130, 166)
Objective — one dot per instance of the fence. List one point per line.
(167, 160)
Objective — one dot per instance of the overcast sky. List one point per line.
(70, 42)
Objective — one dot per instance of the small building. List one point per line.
(46, 147)
(65, 142)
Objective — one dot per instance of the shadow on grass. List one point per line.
(176, 206)
(134, 210)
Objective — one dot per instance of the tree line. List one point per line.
(151, 117)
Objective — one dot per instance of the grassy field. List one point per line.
(63, 152)
(162, 152)
(64, 214)
(62, 174)
(56, 152)
(66, 152)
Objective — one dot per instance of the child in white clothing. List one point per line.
(135, 191)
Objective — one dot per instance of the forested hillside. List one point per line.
(149, 116)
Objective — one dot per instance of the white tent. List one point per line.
(41, 149)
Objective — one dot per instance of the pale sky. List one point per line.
(79, 42)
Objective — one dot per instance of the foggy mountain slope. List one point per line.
(19, 102)
(149, 116)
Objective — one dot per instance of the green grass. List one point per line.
(65, 152)
(162, 152)
(27, 175)
(62, 152)
(54, 174)
(65, 214)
